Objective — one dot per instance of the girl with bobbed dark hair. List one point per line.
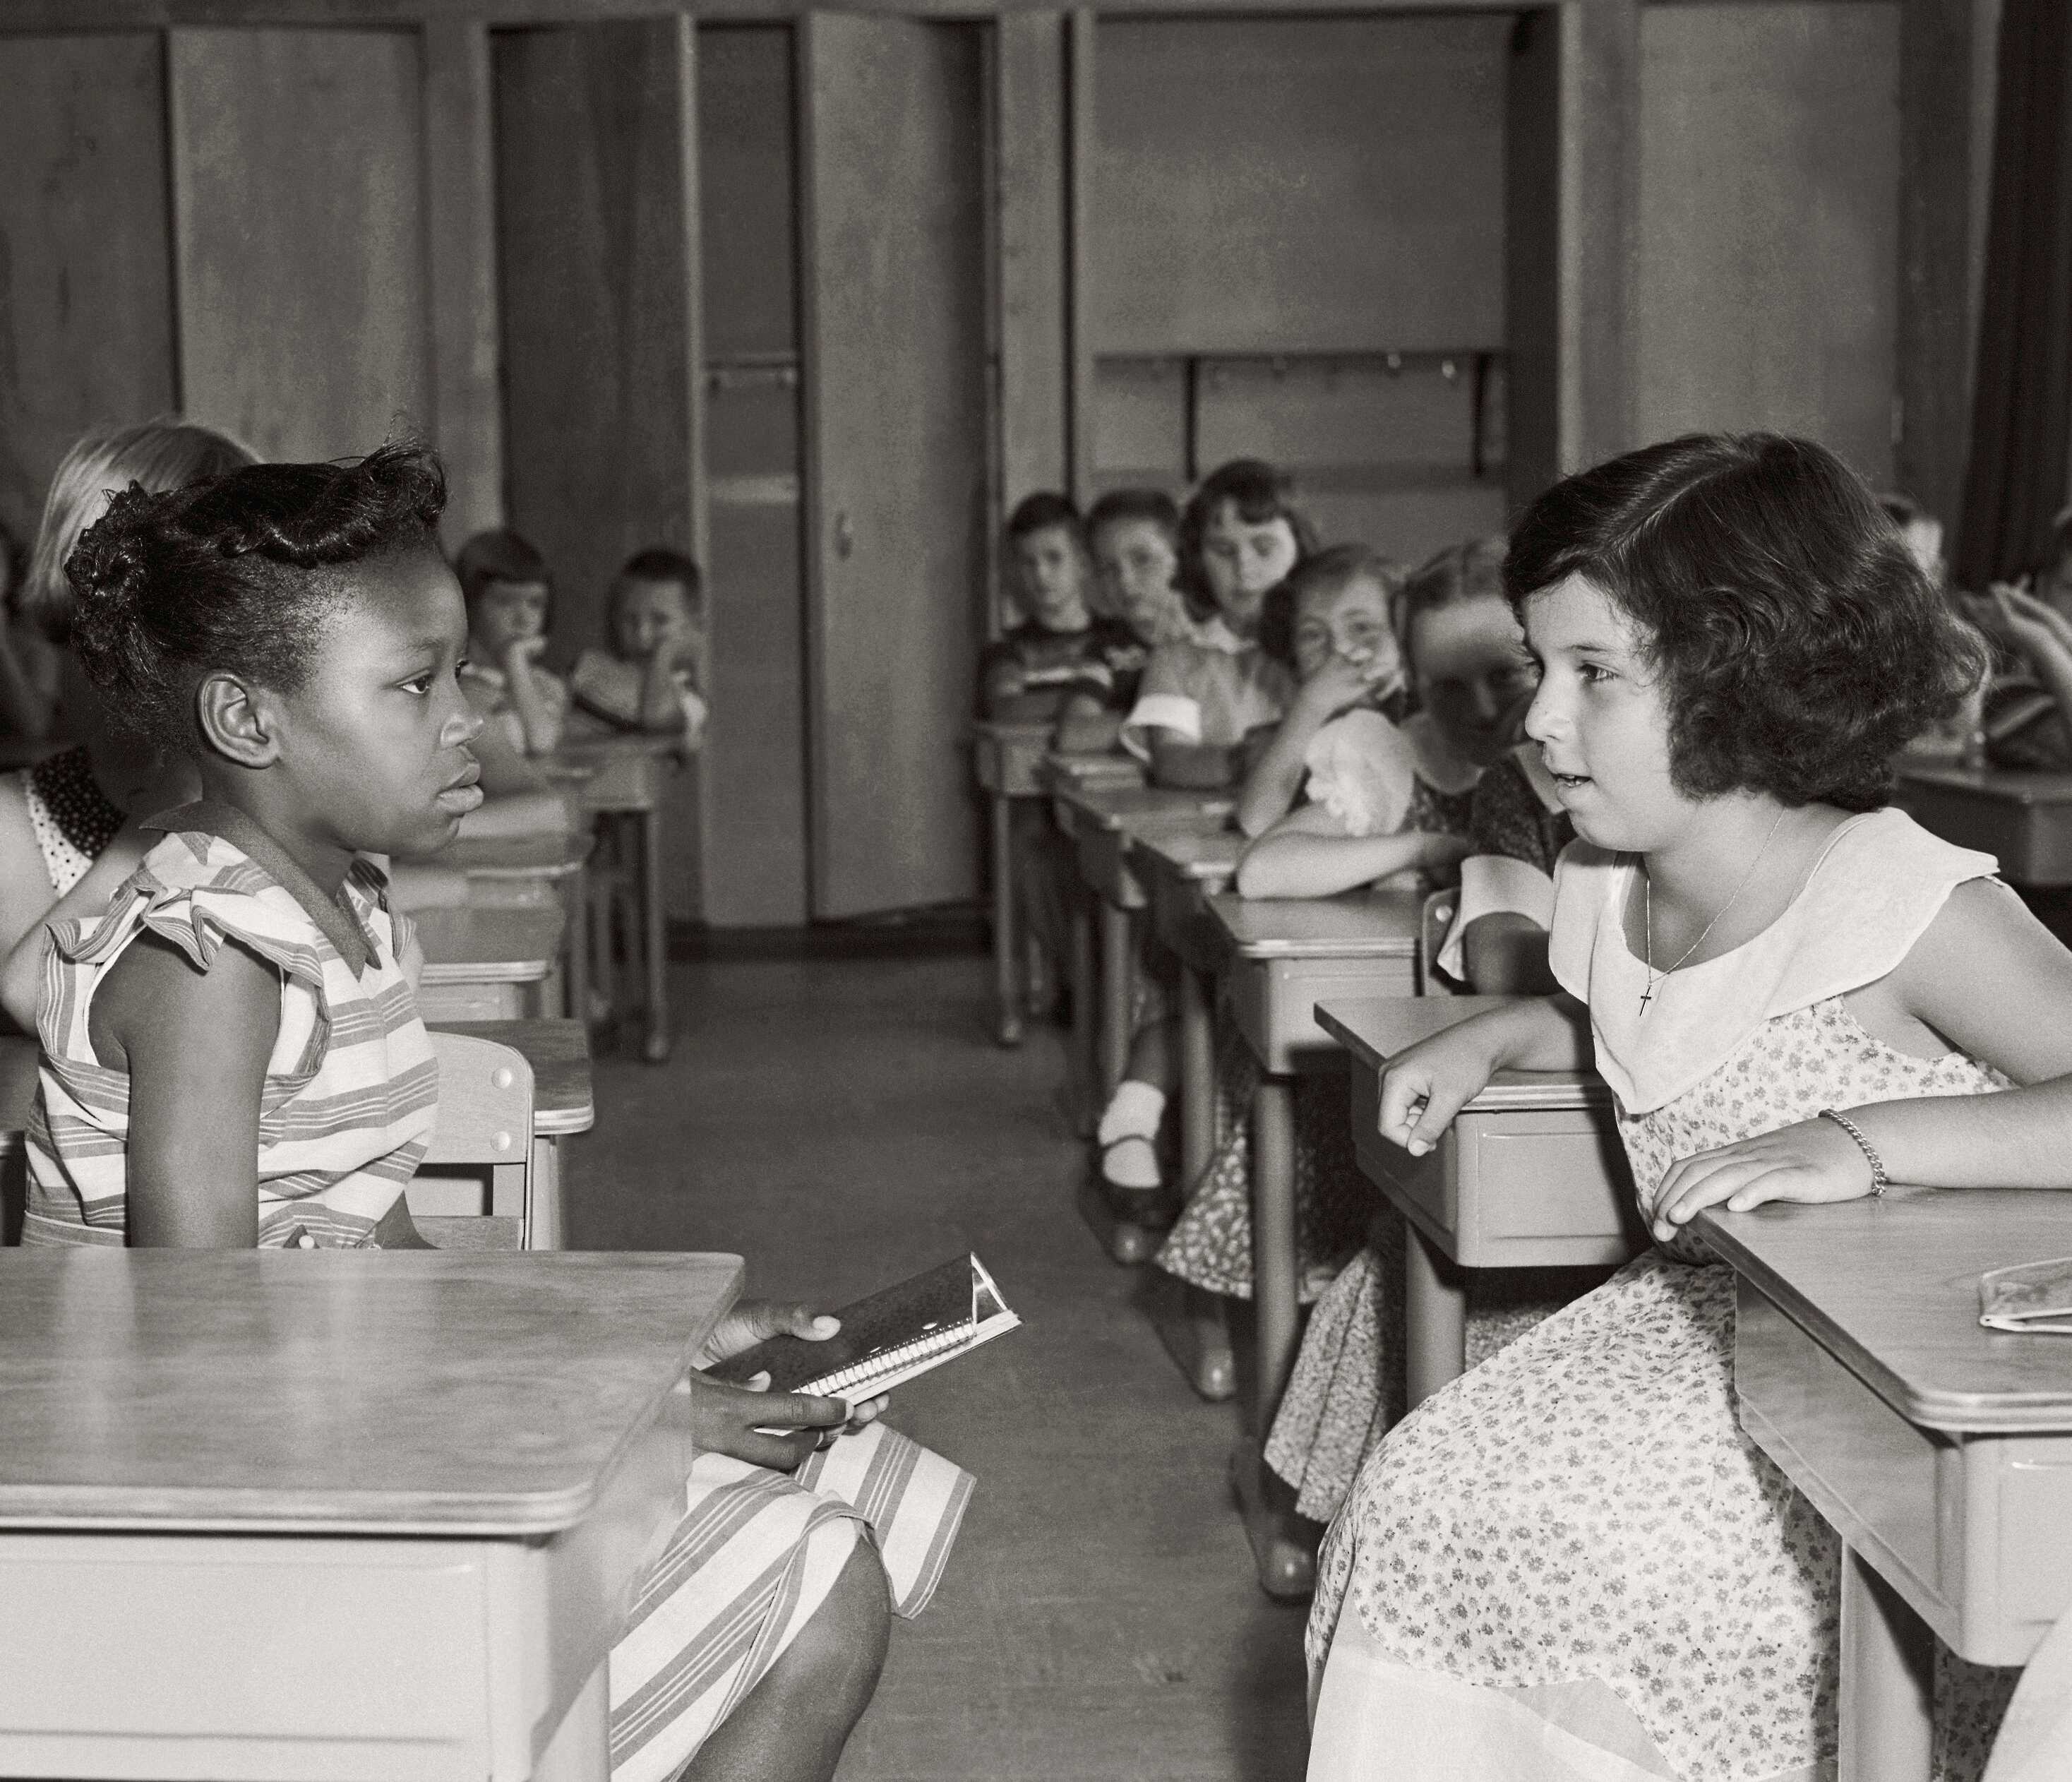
(232, 1058)
(1208, 703)
(1795, 995)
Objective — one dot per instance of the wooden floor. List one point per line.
(839, 1123)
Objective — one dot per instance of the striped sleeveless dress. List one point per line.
(351, 1087)
(350, 1095)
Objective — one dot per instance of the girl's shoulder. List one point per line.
(1877, 884)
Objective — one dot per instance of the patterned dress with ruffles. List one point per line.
(1570, 1563)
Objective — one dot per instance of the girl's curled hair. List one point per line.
(1798, 644)
(236, 573)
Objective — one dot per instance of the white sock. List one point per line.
(1134, 1112)
(1130, 1163)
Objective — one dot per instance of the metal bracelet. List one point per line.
(1879, 1181)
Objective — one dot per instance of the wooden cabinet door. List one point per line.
(893, 323)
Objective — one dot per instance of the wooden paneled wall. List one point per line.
(86, 313)
(755, 750)
(302, 293)
(254, 226)
(597, 189)
(511, 236)
(1768, 271)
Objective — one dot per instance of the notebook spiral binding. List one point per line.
(887, 1362)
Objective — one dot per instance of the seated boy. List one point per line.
(1061, 666)
(648, 680)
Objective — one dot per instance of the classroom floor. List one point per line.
(840, 1123)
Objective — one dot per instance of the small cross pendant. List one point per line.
(1646, 997)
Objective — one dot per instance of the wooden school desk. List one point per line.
(1180, 871)
(1005, 758)
(558, 1051)
(625, 779)
(1941, 1452)
(548, 868)
(304, 1515)
(2024, 818)
(489, 964)
(1103, 822)
(1281, 957)
(1530, 1175)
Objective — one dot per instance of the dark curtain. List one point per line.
(2022, 409)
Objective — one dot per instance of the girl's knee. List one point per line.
(838, 1653)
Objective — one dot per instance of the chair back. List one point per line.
(1432, 925)
(473, 1189)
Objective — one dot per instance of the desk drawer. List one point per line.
(1529, 1189)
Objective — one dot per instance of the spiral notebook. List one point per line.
(2033, 1296)
(892, 1336)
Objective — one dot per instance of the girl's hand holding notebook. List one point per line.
(756, 1321)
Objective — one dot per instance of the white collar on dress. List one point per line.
(1213, 634)
(1880, 881)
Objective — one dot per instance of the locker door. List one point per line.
(893, 295)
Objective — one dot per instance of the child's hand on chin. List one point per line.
(1338, 686)
(1814, 1161)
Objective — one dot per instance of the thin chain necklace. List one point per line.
(1647, 918)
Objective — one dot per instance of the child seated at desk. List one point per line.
(1517, 828)
(1208, 703)
(1134, 535)
(232, 1057)
(1794, 994)
(648, 681)
(510, 600)
(1382, 800)
(1062, 666)
(68, 835)
(1382, 796)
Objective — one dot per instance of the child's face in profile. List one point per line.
(1350, 623)
(375, 742)
(648, 616)
(1050, 568)
(506, 613)
(1136, 559)
(1242, 559)
(1600, 719)
(1473, 674)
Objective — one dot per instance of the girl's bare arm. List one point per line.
(1308, 853)
(195, 1045)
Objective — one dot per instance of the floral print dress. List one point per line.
(1571, 1563)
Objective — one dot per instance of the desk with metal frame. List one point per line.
(1940, 1451)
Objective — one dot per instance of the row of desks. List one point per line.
(1941, 1452)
